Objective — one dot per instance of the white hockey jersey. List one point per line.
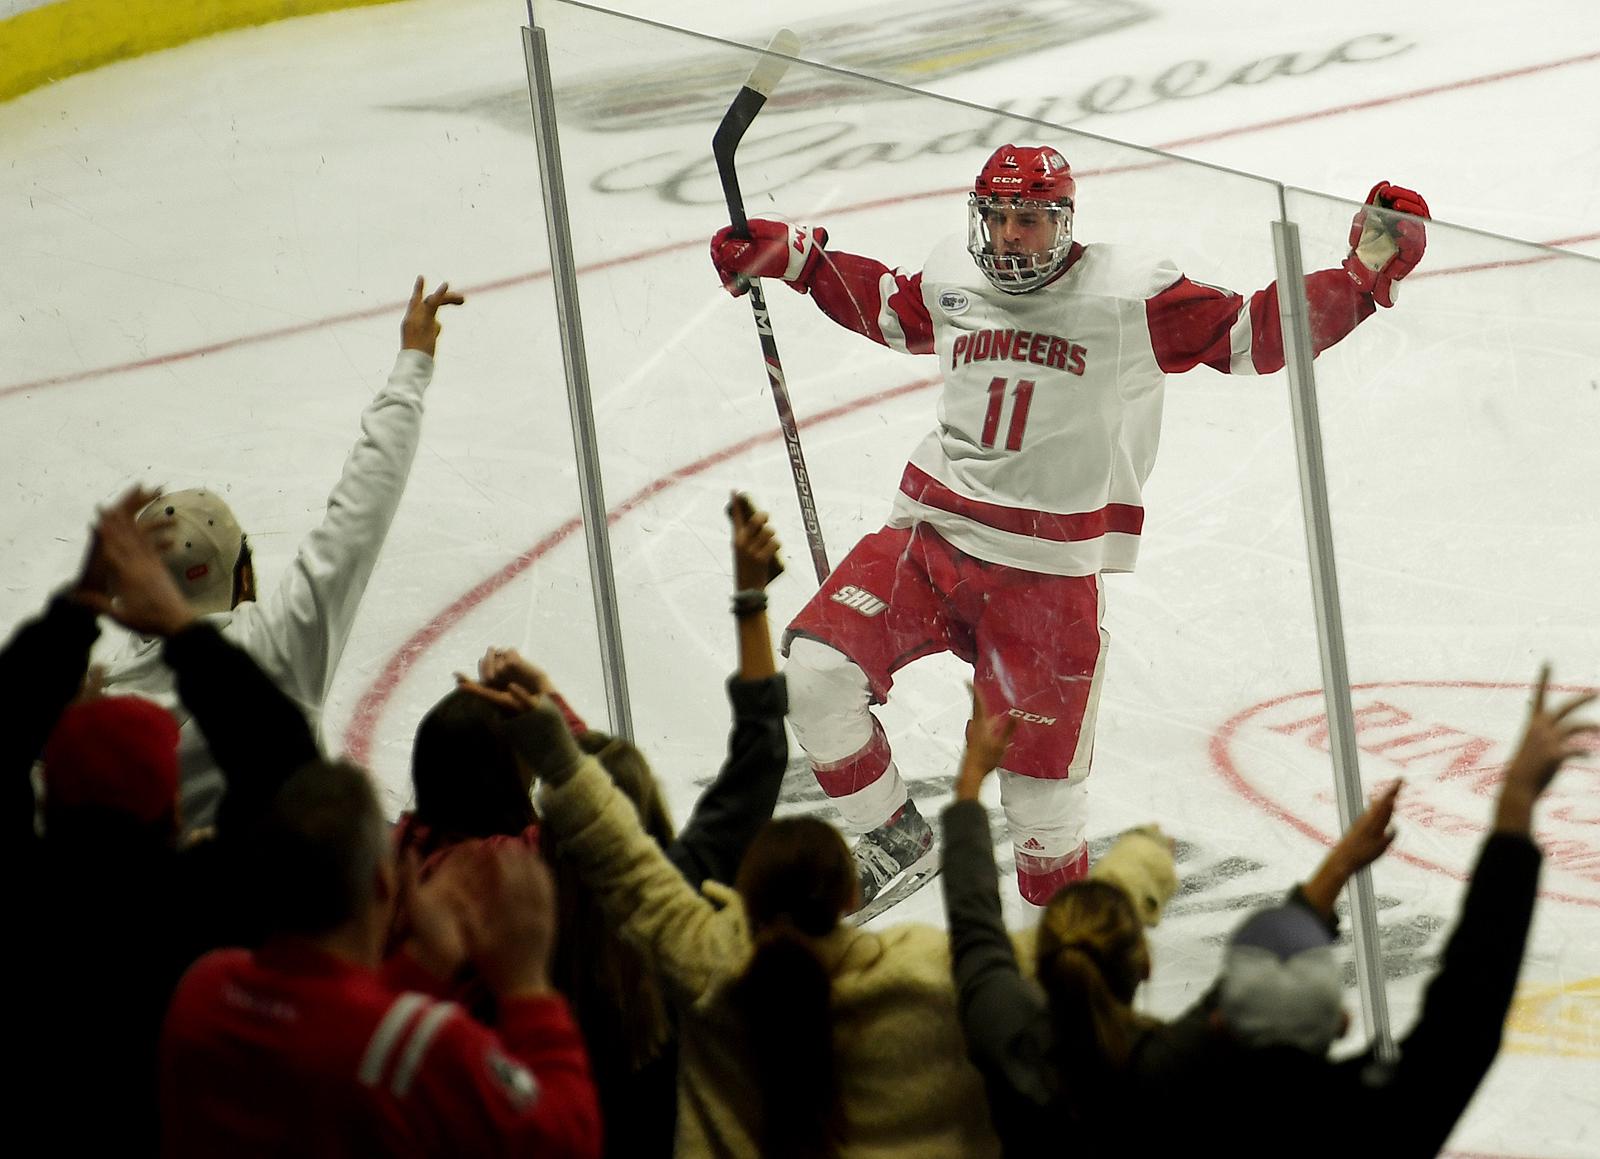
(1051, 410)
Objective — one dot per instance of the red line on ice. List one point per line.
(1379, 102)
(326, 323)
(364, 720)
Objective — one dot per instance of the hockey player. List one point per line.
(1054, 354)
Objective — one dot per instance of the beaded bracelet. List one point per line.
(749, 602)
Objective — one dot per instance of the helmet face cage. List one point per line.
(1017, 273)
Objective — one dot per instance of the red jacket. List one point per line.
(289, 1050)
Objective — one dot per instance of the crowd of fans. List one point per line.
(228, 950)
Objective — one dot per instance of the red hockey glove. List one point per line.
(1384, 246)
(774, 249)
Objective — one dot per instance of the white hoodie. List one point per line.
(298, 632)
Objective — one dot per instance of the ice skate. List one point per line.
(901, 843)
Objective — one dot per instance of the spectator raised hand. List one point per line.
(419, 329)
(432, 916)
(539, 728)
(987, 738)
(510, 916)
(755, 565)
(131, 583)
(93, 582)
(503, 668)
(1362, 844)
(755, 545)
(1549, 740)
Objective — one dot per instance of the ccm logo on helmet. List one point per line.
(1001, 180)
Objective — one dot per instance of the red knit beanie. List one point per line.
(117, 753)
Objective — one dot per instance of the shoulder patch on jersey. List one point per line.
(516, 1082)
(954, 302)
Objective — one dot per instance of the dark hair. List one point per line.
(244, 573)
(614, 993)
(632, 774)
(465, 773)
(1091, 956)
(320, 845)
(796, 880)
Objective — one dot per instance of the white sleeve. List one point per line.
(298, 631)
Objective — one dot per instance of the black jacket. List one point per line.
(114, 913)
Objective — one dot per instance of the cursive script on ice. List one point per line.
(688, 176)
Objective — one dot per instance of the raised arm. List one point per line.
(1362, 844)
(688, 940)
(1003, 1017)
(303, 624)
(258, 736)
(43, 664)
(41, 669)
(1192, 324)
(1458, 1033)
(756, 563)
(735, 805)
(858, 293)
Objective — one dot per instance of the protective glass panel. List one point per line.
(1460, 433)
(1215, 623)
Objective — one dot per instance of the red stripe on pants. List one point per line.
(1040, 878)
(855, 772)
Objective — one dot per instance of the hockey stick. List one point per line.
(763, 79)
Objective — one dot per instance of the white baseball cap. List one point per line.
(204, 548)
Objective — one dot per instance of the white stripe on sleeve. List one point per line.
(422, 1037)
(1240, 340)
(894, 334)
(383, 1039)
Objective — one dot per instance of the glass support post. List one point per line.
(1294, 315)
(564, 278)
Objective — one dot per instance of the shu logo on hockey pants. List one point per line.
(862, 601)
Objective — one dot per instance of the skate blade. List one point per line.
(912, 878)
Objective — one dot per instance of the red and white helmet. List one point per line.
(1021, 179)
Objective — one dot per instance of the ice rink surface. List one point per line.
(208, 250)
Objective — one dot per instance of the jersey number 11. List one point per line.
(1023, 396)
